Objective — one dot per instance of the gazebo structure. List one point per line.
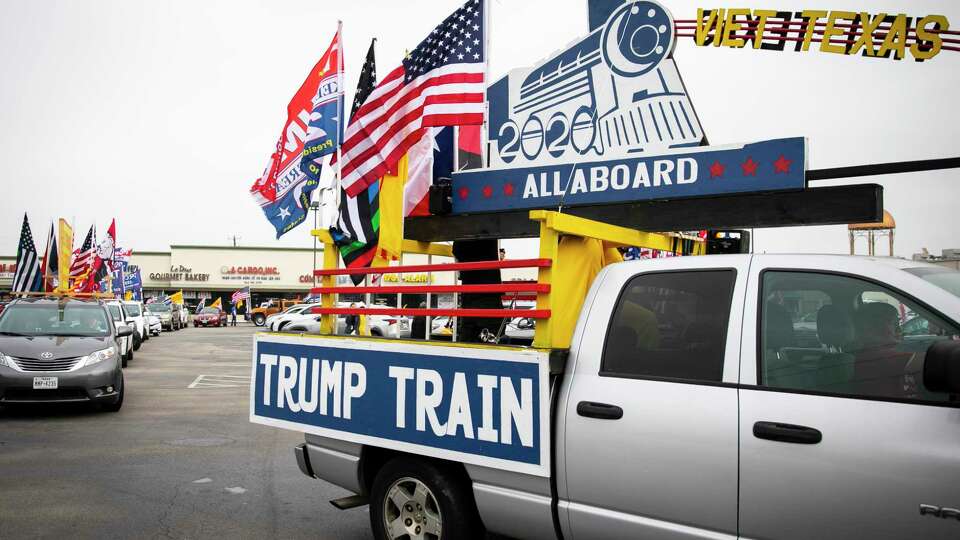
(871, 231)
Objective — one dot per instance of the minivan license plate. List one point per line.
(45, 383)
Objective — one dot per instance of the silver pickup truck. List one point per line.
(741, 396)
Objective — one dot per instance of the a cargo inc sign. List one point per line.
(608, 120)
(486, 407)
(250, 274)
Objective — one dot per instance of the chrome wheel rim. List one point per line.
(411, 511)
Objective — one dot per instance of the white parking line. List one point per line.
(219, 381)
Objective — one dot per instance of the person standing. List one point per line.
(233, 314)
(352, 321)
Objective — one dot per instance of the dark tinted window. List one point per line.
(671, 324)
(837, 334)
(72, 319)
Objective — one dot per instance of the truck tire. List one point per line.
(259, 319)
(417, 498)
(136, 341)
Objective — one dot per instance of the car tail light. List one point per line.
(391, 321)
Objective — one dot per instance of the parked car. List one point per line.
(61, 350)
(168, 321)
(379, 325)
(184, 315)
(152, 321)
(134, 313)
(277, 321)
(119, 316)
(259, 314)
(209, 316)
(682, 407)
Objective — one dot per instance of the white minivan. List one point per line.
(136, 317)
(119, 316)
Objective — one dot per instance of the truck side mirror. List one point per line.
(941, 368)
(124, 331)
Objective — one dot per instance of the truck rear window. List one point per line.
(671, 325)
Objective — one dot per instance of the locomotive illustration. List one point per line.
(614, 93)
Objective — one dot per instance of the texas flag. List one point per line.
(312, 130)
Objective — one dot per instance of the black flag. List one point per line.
(358, 227)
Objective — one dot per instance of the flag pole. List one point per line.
(340, 111)
(484, 143)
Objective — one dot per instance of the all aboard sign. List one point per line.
(608, 120)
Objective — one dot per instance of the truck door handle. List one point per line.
(603, 411)
(775, 431)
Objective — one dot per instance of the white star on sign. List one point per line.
(284, 213)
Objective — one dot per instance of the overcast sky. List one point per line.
(161, 114)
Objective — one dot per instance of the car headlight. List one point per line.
(100, 356)
(6, 361)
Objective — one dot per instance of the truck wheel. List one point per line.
(259, 319)
(413, 498)
(136, 341)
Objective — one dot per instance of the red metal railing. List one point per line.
(448, 267)
(529, 290)
(424, 312)
(436, 289)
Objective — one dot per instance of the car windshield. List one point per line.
(160, 308)
(945, 278)
(51, 320)
(133, 310)
(210, 310)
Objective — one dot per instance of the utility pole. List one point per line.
(234, 238)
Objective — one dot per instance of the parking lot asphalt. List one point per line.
(180, 460)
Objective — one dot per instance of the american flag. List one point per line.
(440, 83)
(27, 276)
(83, 258)
(242, 294)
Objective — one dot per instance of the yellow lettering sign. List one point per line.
(839, 32)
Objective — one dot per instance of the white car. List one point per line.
(117, 313)
(380, 325)
(154, 326)
(184, 316)
(134, 312)
(277, 321)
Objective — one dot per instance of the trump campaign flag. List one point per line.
(283, 192)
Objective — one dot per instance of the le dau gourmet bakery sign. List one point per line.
(179, 273)
(608, 120)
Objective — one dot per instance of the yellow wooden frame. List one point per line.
(331, 260)
(553, 225)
